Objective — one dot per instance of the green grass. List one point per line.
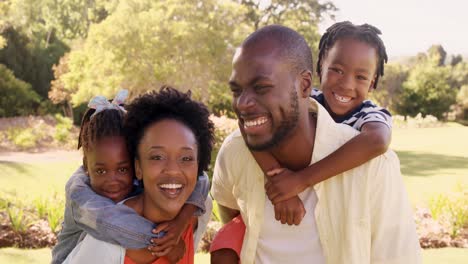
(433, 161)
(29, 181)
(42, 256)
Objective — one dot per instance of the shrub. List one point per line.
(23, 138)
(18, 219)
(41, 207)
(16, 97)
(453, 208)
(55, 212)
(63, 128)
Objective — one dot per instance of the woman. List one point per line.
(170, 138)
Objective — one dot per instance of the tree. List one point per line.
(437, 54)
(144, 44)
(16, 96)
(427, 91)
(390, 86)
(58, 94)
(301, 15)
(462, 100)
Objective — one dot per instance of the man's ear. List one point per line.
(138, 172)
(305, 83)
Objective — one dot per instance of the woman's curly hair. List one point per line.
(169, 103)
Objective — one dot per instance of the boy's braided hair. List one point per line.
(366, 33)
(106, 123)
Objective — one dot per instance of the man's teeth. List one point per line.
(343, 99)
(256, 122)
(171, 186)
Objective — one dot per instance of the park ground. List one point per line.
(433, 161)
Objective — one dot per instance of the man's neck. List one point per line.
(295, 152)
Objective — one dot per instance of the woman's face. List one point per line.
(168, 165)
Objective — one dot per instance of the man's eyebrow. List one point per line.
(233, 83)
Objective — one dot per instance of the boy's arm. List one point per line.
(103, 219)
(373, 141)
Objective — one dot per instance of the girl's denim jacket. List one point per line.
(89, 213)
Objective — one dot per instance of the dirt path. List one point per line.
(47, 156)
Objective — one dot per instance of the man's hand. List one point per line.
(291, 211)
(177, 253)
(283, 184)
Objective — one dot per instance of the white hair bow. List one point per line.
(101, 103)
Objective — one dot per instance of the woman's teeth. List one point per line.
(170, 186)
(343, 99)
(256, 122)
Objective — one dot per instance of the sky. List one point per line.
(410, 26)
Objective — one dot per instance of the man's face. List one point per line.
(110, 168)
(265, 98)
(348, 74)
(168, 165)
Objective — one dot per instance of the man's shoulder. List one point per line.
(233, 143)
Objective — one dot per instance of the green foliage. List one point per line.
(453, 208)
(23, 138)
(144, 44)
(427, 91)
(16, 96)
(41, 204)
(18, 219)
(62, 128)
(31, 59)
(55, 211)
(390, 86)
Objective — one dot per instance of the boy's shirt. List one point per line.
(88, 212)
(365, 113)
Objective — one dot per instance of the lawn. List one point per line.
(433, 160)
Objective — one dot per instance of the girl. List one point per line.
(170, 138)
(106, 178)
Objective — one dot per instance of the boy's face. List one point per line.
(110, 168)
(168, 165)
(348, 74)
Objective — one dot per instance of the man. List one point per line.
(361, 216)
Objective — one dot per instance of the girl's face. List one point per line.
(168, 165)
(348, 74)
(110, 168)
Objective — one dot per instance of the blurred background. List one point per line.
(57, 54)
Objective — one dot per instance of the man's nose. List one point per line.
(245, 101)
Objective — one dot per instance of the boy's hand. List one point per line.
(291, 211)
(283, 184)
(177, 253)
(174, 230)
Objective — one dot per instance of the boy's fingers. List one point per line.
(161, 253)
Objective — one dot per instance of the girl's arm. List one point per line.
(373, 141)
(102, 218)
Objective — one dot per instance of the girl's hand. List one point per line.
(174, 230)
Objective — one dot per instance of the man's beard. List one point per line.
(285, 128)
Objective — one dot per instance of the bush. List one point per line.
(16, 96)
(452, 209)
(223, 127)
(63, 128)
(23, 138)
